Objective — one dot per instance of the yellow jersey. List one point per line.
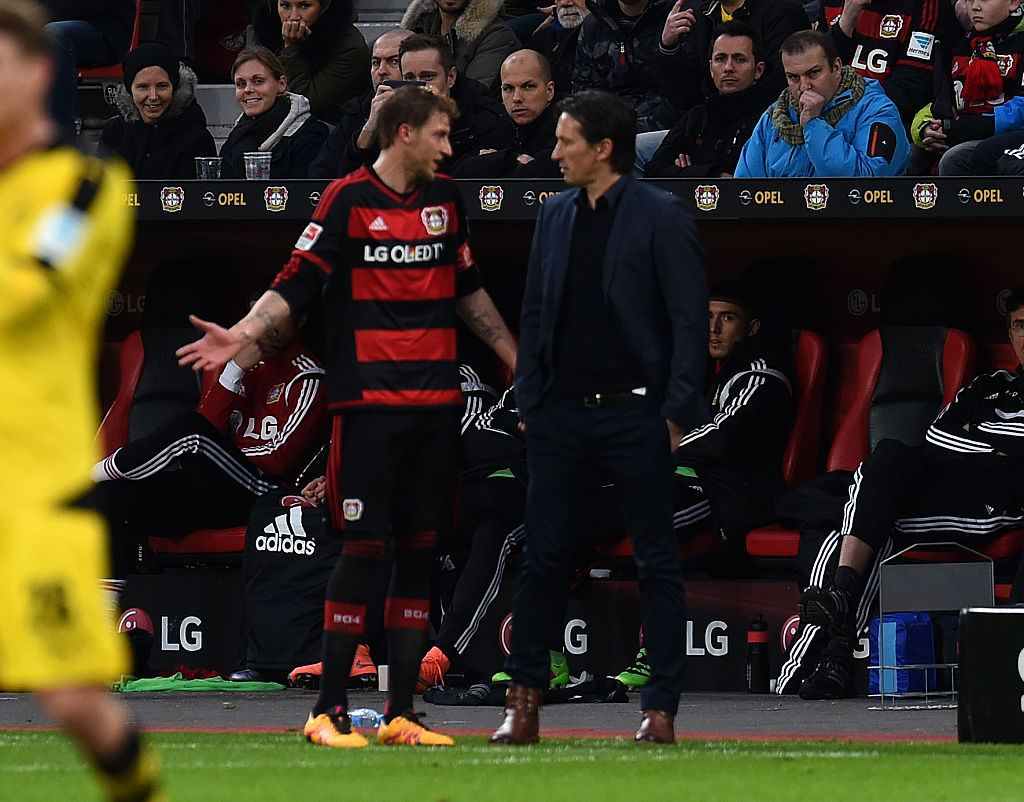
(64, 236)
(65, 233)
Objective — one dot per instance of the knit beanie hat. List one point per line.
(150, 55)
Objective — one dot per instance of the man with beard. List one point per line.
(556, 38)
(708, 140)
(529, 130)
(393, 387)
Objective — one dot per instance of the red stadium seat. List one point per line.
(223, 544)
(886, 403)
(114, 71)
(800, 461)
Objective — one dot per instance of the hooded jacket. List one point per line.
(624, 62)
(537, 139)
(480, 115)
(288, 131)
(166, 148)
(868, 139)
(712, 135)
(480, 41)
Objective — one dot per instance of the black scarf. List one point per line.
(251, 132)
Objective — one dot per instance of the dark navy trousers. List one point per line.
(570, 448)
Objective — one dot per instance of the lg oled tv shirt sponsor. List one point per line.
(389, 269)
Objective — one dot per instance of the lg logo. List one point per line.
(190, 637)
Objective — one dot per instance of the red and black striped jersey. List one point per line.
(891, 33)
(388, 269)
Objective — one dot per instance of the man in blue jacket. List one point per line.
(612, 344)
(829, 121)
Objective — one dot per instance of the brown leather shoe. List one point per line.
(658, 727)
(522, 720)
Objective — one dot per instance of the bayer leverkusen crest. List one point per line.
(352, 508)
(890, 26)
(172, 199)
(275, 198)
(490, 198)
(435, 220)
(925, 195)
(706, 196)
(816, 196)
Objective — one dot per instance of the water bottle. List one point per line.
(364, 717)
(757, 656)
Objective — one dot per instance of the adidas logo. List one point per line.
(286, 535)
(378, 225)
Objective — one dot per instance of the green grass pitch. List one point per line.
(38, 765)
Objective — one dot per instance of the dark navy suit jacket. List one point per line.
(654, 278)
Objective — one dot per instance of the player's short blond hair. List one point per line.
(412, 106)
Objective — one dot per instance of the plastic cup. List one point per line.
(257, 166)
(382, 678)
(207, 167)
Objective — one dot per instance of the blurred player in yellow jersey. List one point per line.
(64, 236)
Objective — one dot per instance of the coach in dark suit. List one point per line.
(613, 341)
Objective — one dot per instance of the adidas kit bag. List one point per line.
(290, 552)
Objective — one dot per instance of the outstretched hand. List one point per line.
(213, 350)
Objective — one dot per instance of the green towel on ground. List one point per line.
(177, 683)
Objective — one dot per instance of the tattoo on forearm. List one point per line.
(272, 334)
(480, 322)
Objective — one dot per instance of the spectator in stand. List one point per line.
(527, 135)
(963, 483)
(708, 139)
(161, 128)
(688, 33)
(617, 52)
(353, 142)
(273, 119)
(797, 136)
(893, 41)
(980, 98)
(325, 57)
(428, 58)
(257, 428)
(479, 39)
(86, 33)
(556, 39)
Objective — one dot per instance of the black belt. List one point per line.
(610, 399)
